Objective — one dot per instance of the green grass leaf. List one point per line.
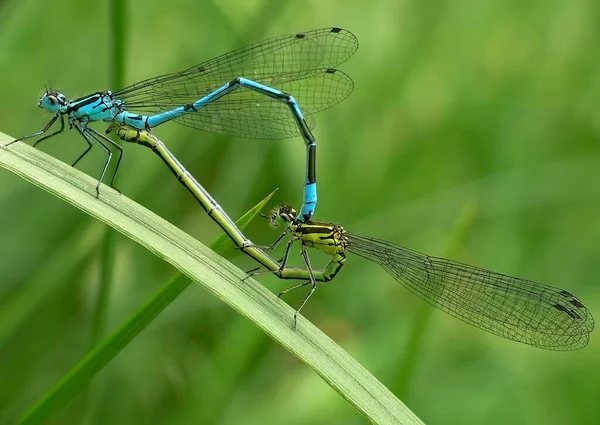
(213, 273)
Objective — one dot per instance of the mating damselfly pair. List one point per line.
(271, 89)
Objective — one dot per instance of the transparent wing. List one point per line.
(302, 65)
(513, 308)
(249, 114)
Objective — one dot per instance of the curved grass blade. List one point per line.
(369, 396)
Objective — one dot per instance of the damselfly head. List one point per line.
(282, 215)
(53, 101)
(287, 213)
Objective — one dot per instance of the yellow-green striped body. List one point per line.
(326, 237)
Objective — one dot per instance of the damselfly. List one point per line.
(244, 92)
(518, 309)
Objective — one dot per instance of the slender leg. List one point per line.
(283, 262)
(312, 281)
(84, 152)
(90, 137)
(42, 131)
(62, 128)
(277, 241)
(119, 148)
(293, 288)
(273, 245)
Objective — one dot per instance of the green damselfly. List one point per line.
(517, 309)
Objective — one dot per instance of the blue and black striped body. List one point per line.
(244, 92)
(100, 106)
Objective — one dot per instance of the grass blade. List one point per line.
(218, 276)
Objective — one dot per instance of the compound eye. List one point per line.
(53, 99)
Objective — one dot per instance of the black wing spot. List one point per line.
(577, 303)
(300, 35)
(335, 30)
(570, 312)
(566, 294)
(331, 71)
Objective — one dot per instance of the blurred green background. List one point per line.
(471, 133)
